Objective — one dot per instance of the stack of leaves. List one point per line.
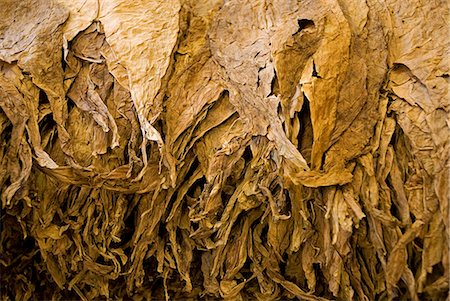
(186, 149)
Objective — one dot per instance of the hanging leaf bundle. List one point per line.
(237, 150)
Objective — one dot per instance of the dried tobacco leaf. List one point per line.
(186, 150)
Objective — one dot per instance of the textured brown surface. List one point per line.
(184, 150)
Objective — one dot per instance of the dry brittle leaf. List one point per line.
(302, 150)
